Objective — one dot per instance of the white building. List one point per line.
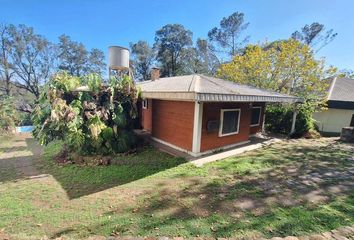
(340, 111)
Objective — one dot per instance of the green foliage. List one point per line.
(98, 121)
(171, 41)
(347, 73)
(8, 115)
(64, 82)
(32, 58)
(77, 60)
(226, 36)
(143, 57)
(315, 34)
(284, 66)
(94, 82)
(24, 119)
(200, 58)
(279, 119)
(287, 67)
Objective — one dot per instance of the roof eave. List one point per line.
(181, 96)
(246, 98)
(212, 97)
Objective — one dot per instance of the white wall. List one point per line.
(333, 120)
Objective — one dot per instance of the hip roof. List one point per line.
(198, 87)
(342, 89)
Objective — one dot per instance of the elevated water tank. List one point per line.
(118, 58)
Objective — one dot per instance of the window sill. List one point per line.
(227, 134)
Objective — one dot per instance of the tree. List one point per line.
(201, 58)
(170, 42)
(9, 117)
(229, 32)
(77, 60)
(314, 34)
(143, 57)
(6, 72)
(33, 58)
(348, 73)
(96, 62)
(287, 67)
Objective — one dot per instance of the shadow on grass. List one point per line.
(12, 149)
(78, 180)
(84, 180)
(285, 190)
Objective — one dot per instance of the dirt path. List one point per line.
(17, 156)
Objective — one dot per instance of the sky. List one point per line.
(102, 23)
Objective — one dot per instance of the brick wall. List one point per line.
(256, 129)
(211, 111)
(172, 121)
(146, 116)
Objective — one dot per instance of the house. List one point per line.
(198, 114)
(340, 112)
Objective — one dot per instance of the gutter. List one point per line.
(214, 97)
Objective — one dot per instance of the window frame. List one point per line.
(259, 118)
(145, 104)
(222, 121)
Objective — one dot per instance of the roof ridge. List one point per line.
(210, 80)
(246, 85)
(193, 81)
(196, 85)
(331, 87)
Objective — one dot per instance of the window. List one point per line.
(352, 121)
(256, 116)
(145, 104)
(230, 122)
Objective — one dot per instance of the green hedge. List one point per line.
(278, 119)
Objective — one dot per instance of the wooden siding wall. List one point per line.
(173, 122)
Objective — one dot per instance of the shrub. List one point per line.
(9, 116)
(278, 119)
(89, 117)
(25, 119)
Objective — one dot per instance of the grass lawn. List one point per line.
(293, 188)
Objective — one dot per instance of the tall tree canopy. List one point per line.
(171, 41)
(32, 58)
(201, 58)
(314, 35)
(6, 72)
(284, 66)
(228, 34)
(346, 73)
(77, 60)
(143, 57)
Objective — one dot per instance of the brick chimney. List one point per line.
(155, 73)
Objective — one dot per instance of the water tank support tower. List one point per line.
(118, 61)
